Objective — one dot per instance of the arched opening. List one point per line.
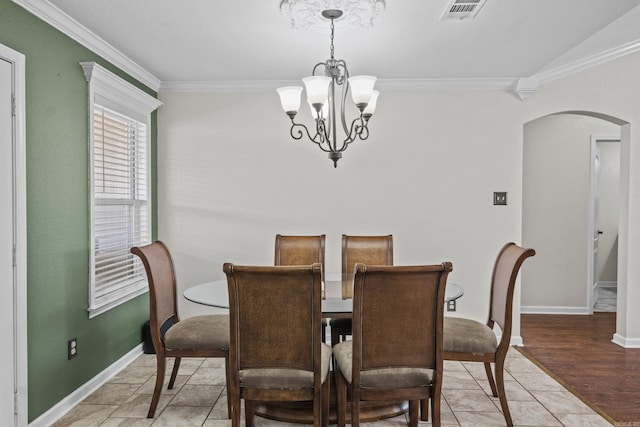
(558, 216)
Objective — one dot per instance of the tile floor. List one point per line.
(607, 299)
(198, 398)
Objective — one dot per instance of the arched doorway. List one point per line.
(556, 209)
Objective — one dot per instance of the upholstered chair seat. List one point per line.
(285, 378)
(468, 336)
(390, 378)
(199, 332)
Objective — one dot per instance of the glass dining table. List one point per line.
(337, 302)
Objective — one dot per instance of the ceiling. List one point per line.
(220, 41)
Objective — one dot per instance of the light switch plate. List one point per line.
(499, 197)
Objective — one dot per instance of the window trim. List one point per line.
(114, 93)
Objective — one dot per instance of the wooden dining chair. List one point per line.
(268, 363)
(471, 341)
(301, 250)
(371, 250)
(396, 352)
(199, 336)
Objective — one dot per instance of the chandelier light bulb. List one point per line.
(361, 90)
(317, 90)
(371, 105)
(290, 98)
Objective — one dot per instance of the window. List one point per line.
(120, 201)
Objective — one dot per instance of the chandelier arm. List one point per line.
(359, 129)
(319, 138)
(345, 91)
(313, 72)
(364, 132)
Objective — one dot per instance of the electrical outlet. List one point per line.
(499, 197)
(72, 348)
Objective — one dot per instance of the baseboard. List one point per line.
(516, 341)
(82, 392)
(607, 284)
(626, 342)
(538, 309)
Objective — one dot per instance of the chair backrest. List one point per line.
(370, 250)
(261, 300)
(398, 317)
(503, 280)
(299, 250)
(162, 288)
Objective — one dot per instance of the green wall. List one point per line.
(58, 216)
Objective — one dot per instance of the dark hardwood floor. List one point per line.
(577, 350)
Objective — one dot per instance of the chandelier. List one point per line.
(321, 97)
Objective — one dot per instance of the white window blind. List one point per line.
(119, 150)
(121, 203)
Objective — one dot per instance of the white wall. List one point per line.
(556, 207)
(230, 178)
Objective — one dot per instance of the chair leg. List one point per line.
(436, 399)
(501, 392)
(341, 397)
(234, 402)
(424, 410)
(326, 396)
(227, 380)
(414, 409)
(248, 413)
(355, 408)
(492, 383)
(161, 366)
(174, 372)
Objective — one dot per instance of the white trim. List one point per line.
(120, 94)
(538, 309)
(110, 91)
(18, 60)
(72, 28)
(383, 84)
(591, 224)
(78, 395)
(516, 341)
(606, 285)
(626, 342)
(588, 62)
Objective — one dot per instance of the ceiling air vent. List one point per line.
(462, 9)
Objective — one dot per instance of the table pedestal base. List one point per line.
(302, 412)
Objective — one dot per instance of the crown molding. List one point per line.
(72, 28)
(225, 86)
(556, 73)
(447, 84)
(383, 84)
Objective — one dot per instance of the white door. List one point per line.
(7, 278)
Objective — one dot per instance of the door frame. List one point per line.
(17, 59)
(593, 190)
